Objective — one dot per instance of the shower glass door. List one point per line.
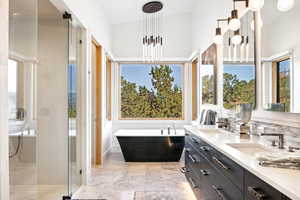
(73, 94)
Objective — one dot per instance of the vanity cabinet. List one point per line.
(212, 175)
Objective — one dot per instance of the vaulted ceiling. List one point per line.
(124, 11)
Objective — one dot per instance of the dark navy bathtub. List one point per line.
(148, 145)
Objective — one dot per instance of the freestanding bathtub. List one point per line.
(150, 145)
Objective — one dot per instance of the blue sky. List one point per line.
(243, 72)
(136, 73)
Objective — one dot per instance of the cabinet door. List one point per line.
(256, 189)
(229, 168)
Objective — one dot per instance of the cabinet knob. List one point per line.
(204, 172)
(183, 170)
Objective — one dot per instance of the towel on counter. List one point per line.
(284, 160)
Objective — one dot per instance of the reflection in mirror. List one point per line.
(208, 76)
(280, 52)
(239, 71)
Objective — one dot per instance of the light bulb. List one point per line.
(256, 5)
(236, 39)
(234, 24)
(285, 5)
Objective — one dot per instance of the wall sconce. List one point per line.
(235, 22)
(219, 37)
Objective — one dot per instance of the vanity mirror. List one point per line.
(281, 58)
(239, 70)
(208, 71)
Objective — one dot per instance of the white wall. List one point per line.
(91, 16)
(204, 21)
(127, 38)
(4, 169)
(52, 119)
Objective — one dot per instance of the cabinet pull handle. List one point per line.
(257, 194)
(204, 148)
(204, 172)
(219, 192)
(192, 158)
(183, 170)
(193, 183)
(195, 141)
(220, 163)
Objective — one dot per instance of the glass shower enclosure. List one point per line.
(44, 111)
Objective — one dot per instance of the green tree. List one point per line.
(163, 101)
(237, 91)
(208, 89)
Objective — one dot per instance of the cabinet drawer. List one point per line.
(256, 189)
(217, 184)
(229, 168)
(222, 163)
(194, 182)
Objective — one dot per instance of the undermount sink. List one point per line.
(210, 130)
(249, 148)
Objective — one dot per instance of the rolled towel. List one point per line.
(279, 159)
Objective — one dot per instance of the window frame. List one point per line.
(182, 118)
(278, 78)
(254, 105)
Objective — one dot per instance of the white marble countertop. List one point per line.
(287, 181)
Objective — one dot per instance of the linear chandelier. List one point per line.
(152, 39)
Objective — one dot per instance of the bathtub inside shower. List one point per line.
(151, 145)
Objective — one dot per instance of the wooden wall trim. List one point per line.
(194, 90)
(98, 101)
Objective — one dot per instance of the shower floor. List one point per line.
(23, 179)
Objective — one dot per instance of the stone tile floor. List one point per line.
(118, 180)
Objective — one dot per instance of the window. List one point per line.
(151, 91)
(208, 74)
(239, 85)
(12, 88)
(72, 94)
(208, 84)
(282, 83)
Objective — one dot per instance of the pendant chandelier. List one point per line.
(152, 39)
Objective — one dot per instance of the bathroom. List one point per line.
(209, 110)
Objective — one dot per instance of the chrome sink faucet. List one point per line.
(281, 138)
